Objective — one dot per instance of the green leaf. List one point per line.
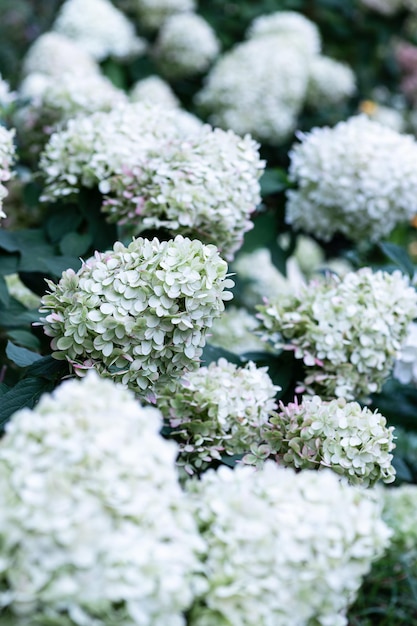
(48, 367)
(24, 338)
(73, 244)
(25, 394)
(63, 219)
(399, 256)
(8, 241)
(21, 356)
(4, 292)
(214, 353)
(273, 181)
(16, 315)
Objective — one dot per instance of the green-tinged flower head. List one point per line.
(400, 510)
(94, 528)
(204, 186)
(138, 314)
(348, 331)
(235, 331)
(343, 436)
(219, 409)
(283, 548)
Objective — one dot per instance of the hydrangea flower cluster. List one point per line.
(99, 28)
(386, 7)
(186, 45)
(330, 82)
(54, 100)
(400, 509)
(358, 178)
(257, 87)
(153, 13)
(7, 96)
(405, 368)
(283, 548)
(219, 409)
(343, 436)
(92, 148)
(294, 28)
(348, 330)
(138, 314)
(94, 526)
(262, 280)
(261, 85)
(54, 54)
(154, 90)
(235, 331)
(204, 186)
(7, 151)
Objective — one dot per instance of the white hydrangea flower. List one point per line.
(400, 510)
(386, 7)
(330, 82)
(204, 186)
(54, 100)
(138, 314)
(93, 148)
(99, 28)
(283, 548)
(348, 330)
(405, 369)
(358, 178)
(7, 96)
(94, 526)
(258, 87)
(235, 331)
(294, 28)
(7, 152)
(153, 13)
(54, 54)
(154, 90)
(219, 409)
(186, 45)
(262, 280)
(343, 436)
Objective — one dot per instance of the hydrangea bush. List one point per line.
(127, 154)
(138, 314)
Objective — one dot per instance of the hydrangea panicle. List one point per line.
(283, 548)
(358, 179)
(218, 410)
(348, 331)
(186, 45)
(99, 28)
(351, 440)
(94, 528)
(138, 314)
